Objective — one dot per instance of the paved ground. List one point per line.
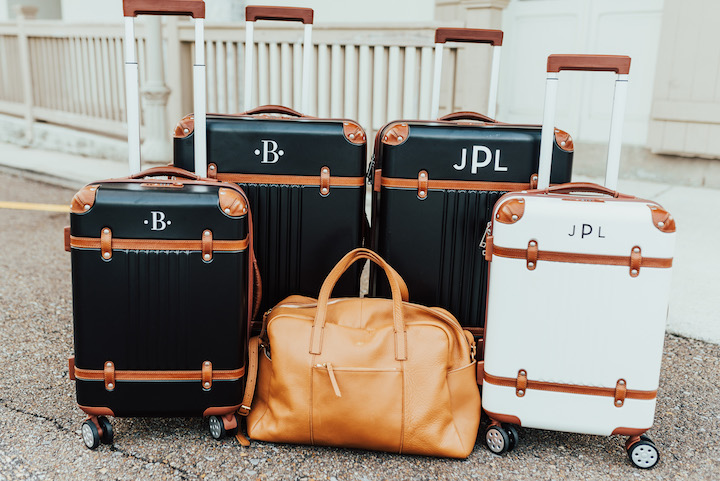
(39, 420)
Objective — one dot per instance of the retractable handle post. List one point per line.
(471, 35)
(289, 14)
(192, 8)
(620, 64)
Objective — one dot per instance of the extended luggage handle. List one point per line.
(195, 9)
(397, 300)
(472, 35)
(620, 64)
(254, 13)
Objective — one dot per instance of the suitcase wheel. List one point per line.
(107, 435)
(500, 439)
(90, 434)
(643, 453)
(219, 426)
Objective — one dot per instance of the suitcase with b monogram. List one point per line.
(305, 177)
(162, 279)
(434, 187)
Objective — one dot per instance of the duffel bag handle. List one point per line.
(585, 187)
(397, 299)
(168, 170)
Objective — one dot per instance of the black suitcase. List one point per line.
(162, 284)
(434, 187)
(304, 176)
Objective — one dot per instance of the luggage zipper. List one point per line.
(483, 241)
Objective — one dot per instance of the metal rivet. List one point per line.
(422, 192)
(207, 384)
(227, 210)
(352, 136)
(324, 190)
(400, 138)
(345, 123)
(521, 392)
(385, 138)
(530, 264)
(422, 174)
(562, 143)
(110, 385)
(521, 201)
(514, 217)
(109, 364)
(87, 206)
(186, 130)
(207, 257)
(497, 216)
(522, 373)
(207, 232)
(661, 224)
(92, 189)
(243, 210)
(106, 255)
(621, 382)
(636, 249)
(212, 167)
(207, 363)
(634, 272)
(324, 171)
(403, 125)
(106, 231)
(533, 243)
(618, 402)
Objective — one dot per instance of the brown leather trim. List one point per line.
(449, 184)
(220, 410)
(207, 245)
(71, 368)
(396, 133)
(66, 238)
(84, 199)
(193, 8)
(325, 181)
(510, 211)
(184, 127)
(564, 141)
(264, 110)
(354, 133)
(568, 388)
(630, 432)
(521, 383)
(480, 372)
(253, 13)
(475, 331)
(662, 219)
(504, 418)
(290, 179)
(97, 411)
(159, 244)
(422, 184)
(109, 375)
(122, 375)
(253, 353)
(206, 375)
(620, 393)
(105, 243)
(475, 35)
(377, 180)
(620, 64)
(550, 256)
(232, 202)
(163, 185)
(212, 171)
(635, 261)
(468, 115)
(489, 248)
(532, 255)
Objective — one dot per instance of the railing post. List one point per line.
(26, 13)
(174, 76)
(157, 144)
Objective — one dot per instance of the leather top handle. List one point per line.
(620, 64)
(585, 187)
(327, 287)
(192, 8)
(273, 109)
(167, 170)
(473, 35)
(253, 13)
(467, 115)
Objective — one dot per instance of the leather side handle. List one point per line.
(473, 35)
(168, 170)
(620, 64)
(585, 187)
(467, 115)
(253, 13)
(273, 109)
(192, 8)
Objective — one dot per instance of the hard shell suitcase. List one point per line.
(162, 279)
(305, 178)
(434, 186)
(577, 298)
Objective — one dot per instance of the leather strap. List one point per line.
(251, 380)
(100, 375)
(575, 258)
(449, 184)
(272, 179)
(159, 244)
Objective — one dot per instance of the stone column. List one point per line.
(157, 146)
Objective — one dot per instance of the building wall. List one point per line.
(47, 9)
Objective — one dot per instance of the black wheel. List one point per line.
(644, 454)
(107, 430)
(512, 435)
(217, 428)
(497, 439)
(90, 434)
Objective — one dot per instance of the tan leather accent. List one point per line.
(662, 219)
(377, 180)
(254, 13)
(632, 432)
(620, 64)
(96, 411)
(325, 181)
(422, 187)
(212, 171)
(489, 247)
(569, 388)
(185, 127)
(533, 181)
(232, 202)
(251, 381)
(585, 187)
(263, 111)
(207, 245)
(220, 410)
(635, 261)
(193, 8)
(160, 244)
(122, 375)
(354, 133)
(109, 375)
(105, 243)
(396, 133)
(163, 185)
(510, 211)
(620, 393)
(164, 171)
(550, 256)
(480, 372)
(448, 184)
(532, 255)
(66, 238)
(474, 35)
(84, 199)
(468, 115)
(206, 375)
(521, 383)
(71, 368)
(564, 141)
(503, 418)
(290, 179)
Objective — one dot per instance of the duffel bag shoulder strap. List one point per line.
(251, 381)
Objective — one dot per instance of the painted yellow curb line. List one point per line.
(31, 206)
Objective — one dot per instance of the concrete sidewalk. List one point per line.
(695, 297)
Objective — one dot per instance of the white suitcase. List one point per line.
(578, 293)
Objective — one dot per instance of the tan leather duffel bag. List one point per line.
(366, 373)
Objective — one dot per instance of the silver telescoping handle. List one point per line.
(472, 35)
(620, 64)
(291, 14)
(192, 8)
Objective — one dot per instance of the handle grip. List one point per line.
(193, 8)
(168, 170)
(620, 64)
(467, 115)
(253, 13)
(274, 109)
(473, 35)
(585, 187)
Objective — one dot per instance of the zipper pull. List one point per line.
(483, 241)
(333, 381)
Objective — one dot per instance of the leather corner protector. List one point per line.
(185, 127)
(84, 199)
(510, 211)
(396, 134)
(354, 133)
(66, 238)
(662, 219)
(232, 202)
(564, 141)
(71, 368)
